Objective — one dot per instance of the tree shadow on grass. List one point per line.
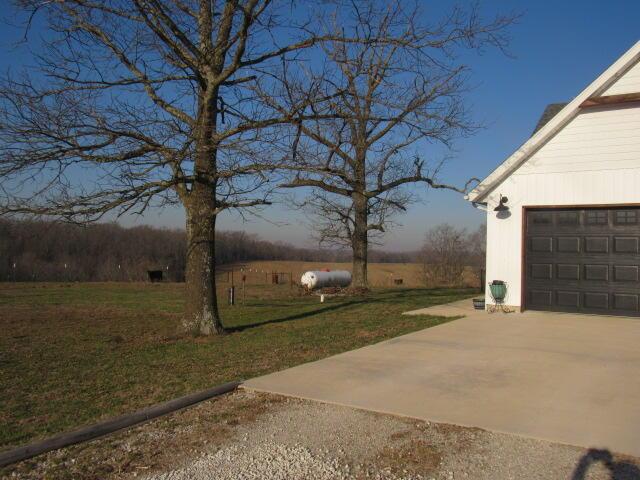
(369, 298)
(297, 316)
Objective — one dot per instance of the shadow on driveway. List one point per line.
(619, 470)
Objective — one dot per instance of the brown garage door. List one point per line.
(583, 260)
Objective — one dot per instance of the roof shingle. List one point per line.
(550, 111)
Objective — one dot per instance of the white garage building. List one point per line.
(569, 240)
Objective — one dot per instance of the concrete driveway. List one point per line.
(567, 378)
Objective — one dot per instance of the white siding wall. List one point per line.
(628, 83)
(594, 160)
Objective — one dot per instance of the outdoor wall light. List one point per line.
(501, 206)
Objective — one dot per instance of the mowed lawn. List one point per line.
(71, 354)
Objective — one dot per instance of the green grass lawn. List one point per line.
(71, 354)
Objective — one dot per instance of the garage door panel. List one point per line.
(596, 217)
(569, 244)
(541, 271)
(541, 298)
(625, 273)
(598, 300)
(596, 272)
(625, 244)
(625, 217)
(568, 299)
(540, 219)
(567, 272)
(583, 260)
(626, 301)
(568, 219)
(541, 244)
(596, 244)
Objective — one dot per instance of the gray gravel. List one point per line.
(274, 461)
(307, 440)
(269, 461)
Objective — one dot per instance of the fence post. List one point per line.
(232, 295)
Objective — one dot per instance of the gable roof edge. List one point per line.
(529, 147)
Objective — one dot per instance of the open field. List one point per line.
(380, 274)
(71, 354)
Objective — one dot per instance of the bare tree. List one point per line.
(379, 103)
(140, 103)
(478, 247)
(444, 255)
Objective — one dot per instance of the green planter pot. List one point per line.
(498, 291)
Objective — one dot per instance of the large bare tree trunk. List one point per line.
(359, 241)
(201, 312)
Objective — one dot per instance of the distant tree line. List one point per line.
(33, 250)
(36, 250)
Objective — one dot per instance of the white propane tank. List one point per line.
(321, 279)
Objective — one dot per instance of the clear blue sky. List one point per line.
(558, 46)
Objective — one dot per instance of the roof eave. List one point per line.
(599, 85)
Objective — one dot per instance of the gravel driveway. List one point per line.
(256, 436)
(300, 439)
